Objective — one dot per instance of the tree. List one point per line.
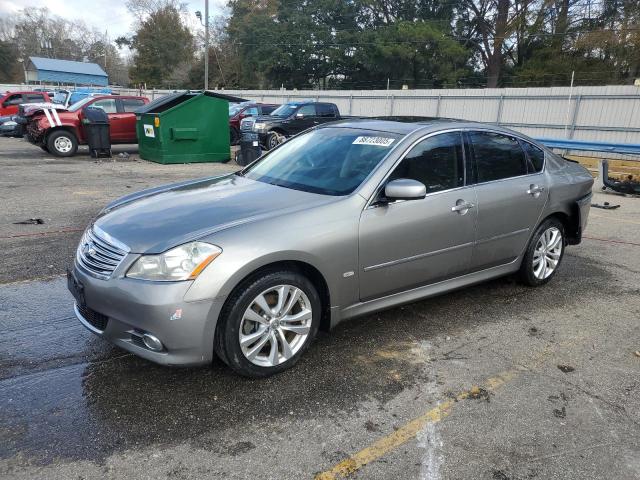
(161, 46)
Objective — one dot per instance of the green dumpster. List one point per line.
(185, 127)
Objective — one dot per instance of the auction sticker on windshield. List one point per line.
(376, 141)
(148, 131)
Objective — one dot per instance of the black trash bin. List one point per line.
(96, 127)
(249, 149)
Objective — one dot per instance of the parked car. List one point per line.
(9, 127)
(10, 101)
(240, 111)
(67, 98)
(289, 119)
(59, 131)
(340, 221)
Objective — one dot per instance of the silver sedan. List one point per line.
(340, 221)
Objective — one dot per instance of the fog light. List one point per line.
(151, 342)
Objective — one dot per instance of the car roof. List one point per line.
(406, 125)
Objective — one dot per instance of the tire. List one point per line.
(243, 318)
(234, 136)
(273, 140)
(543, 250)
(62, 143)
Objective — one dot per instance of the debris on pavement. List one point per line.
(560, 412)
(637, 353)
(31, 221)
(605, 206)
(479, 393)
(566, 368)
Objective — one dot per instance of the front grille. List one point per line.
(99, 254)
(246, 125)
(97, 320)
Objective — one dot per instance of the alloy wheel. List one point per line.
(547, 253)
(63, 144)
(275, 326)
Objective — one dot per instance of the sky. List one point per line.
(105, 15)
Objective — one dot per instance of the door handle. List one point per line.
(462, 207)
(535, 190)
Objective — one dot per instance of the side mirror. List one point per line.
(404, 189)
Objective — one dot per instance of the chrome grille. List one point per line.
(246, 124)
(100, 254)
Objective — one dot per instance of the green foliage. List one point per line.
(9, 68)
(162, 46)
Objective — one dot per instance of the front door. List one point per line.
(305, 118)
(117, 128)
(511, 196)
(405, 244)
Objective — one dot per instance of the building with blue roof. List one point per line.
(64, 72)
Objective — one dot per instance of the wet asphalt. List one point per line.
(73, 406)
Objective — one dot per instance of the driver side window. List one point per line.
(437, 162)
(307, 110)
(108, 105)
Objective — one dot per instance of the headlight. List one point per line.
(181, 263)
(10, 123)
(259, 126)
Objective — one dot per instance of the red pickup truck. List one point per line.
(238, 111)
(59, 131)
(10, 101)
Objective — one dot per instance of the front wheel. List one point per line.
(267, 323)
(62, 143)
(544, 253)
(274, 139)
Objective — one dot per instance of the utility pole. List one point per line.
(206, 44)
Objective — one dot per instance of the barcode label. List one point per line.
(376, 141)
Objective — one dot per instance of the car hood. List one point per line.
(155, 220)
(29, 109)
(269, 118)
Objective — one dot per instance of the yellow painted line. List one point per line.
(409, 431)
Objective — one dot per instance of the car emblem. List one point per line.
(88, 249)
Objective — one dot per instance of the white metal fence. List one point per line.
(607, 114)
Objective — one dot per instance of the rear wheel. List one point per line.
(62, 143)
(544, 253)
(267, 323)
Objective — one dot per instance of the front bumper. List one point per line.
(121, 310)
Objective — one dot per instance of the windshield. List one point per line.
(284, 110)
(329, 161)
(79, 104)
(59, 97)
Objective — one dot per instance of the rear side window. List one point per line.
(251, 111)
(497, 156)
(34, 98)
(535, 156)
(267, 109)
(131, 104)
(325, 110)
(437, 162)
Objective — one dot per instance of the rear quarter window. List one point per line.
(535, 156)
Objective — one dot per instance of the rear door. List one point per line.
(326, 112)
(405, 244)
(127, 117)
(511, 196)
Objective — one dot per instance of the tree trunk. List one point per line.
(496, 57)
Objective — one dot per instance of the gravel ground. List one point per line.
(496, 381)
